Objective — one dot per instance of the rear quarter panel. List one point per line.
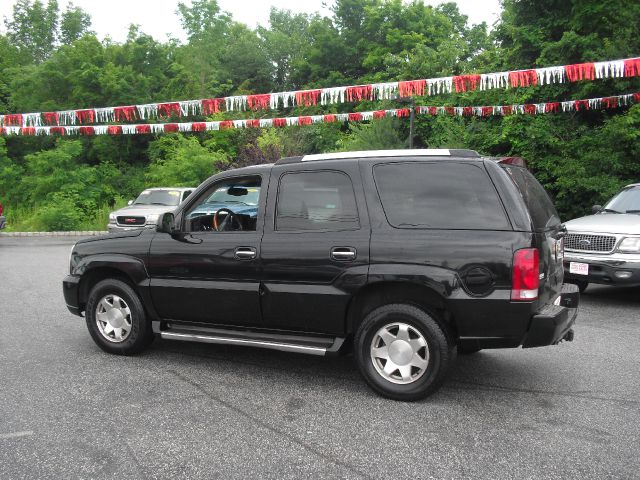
(438, 259)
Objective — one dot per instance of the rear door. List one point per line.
(315, 248)
(548, 231)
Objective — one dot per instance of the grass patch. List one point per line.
(61, 217)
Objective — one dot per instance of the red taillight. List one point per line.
(526, 275)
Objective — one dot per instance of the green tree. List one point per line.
(33, 27)
(383, 134)
(284, 44)
(74, 23)
(179, 161)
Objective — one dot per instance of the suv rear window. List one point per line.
(440, 195)
(543, 213)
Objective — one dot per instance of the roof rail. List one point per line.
(425, 152)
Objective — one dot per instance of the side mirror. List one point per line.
(129, 202)
(596, 208)
(166, 223)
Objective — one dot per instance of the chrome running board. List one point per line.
(288, 343)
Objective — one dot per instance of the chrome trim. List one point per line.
(245, 253)
(342, 254)
(593, 242)
(432, 152)
(618, 239)
(283, 347)
(614, 260)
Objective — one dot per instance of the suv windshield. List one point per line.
(627, 201)
(158, 197)
(242, 195)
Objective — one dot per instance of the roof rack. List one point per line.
(425, 152)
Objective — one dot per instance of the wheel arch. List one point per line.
(375, 295)
(129, 270)
(95, 275)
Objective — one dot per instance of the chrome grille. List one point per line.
(128, 221)
(589, 243)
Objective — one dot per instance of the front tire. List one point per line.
(116, 318)
(402, 352)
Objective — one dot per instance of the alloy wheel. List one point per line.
(400, 353)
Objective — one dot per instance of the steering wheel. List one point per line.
(231, 217)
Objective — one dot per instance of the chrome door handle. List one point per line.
(343, 254)
(245, 253)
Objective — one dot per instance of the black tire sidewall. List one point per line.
(140, 335)
(440, 351)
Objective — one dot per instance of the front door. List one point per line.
(210, 272)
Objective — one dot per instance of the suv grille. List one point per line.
(589, 243)
(131, 221)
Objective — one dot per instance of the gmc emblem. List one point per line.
(129, 220)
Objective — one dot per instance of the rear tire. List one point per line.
(116, 318)
(402, 352)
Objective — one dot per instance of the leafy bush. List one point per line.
(179, 161)
(59, 215)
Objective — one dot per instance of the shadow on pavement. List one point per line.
(612, 295)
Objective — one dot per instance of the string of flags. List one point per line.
(624, 68)
(601, 103)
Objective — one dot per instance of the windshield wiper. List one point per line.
(610, 210)
(632, 211)
(156, 203)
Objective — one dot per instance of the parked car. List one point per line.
(605, 247)
(402, 256)
(3, 221)
(143, 212)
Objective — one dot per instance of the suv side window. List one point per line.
(228, 205)
(439, 195)
(312, 201)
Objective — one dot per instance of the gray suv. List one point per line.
(143, 212)
(605, 247)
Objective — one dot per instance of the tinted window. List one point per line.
(444, 194)
(316, 201)
(543, 213)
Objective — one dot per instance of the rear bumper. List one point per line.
(615, 269)
(554, 322)
(70, 288)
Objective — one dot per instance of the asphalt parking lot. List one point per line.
(181, 410)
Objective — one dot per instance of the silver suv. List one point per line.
(605, 247)
(143, 212)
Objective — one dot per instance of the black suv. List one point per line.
(404, 257)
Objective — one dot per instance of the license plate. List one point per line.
(579, 268)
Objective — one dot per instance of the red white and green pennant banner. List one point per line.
(481, 111)
(629, 67)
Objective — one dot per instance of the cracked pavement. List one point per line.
(186, 410)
